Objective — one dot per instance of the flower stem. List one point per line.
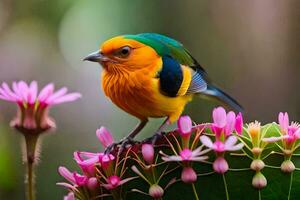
(225, 186)
(290, 188)
(31, 141)
(195, 191)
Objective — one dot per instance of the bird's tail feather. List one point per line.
(213, 92)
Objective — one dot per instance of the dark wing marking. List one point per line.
(170, 76)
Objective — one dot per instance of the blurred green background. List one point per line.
(250, 48)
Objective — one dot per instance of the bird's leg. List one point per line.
(158, 133)
(128, 140)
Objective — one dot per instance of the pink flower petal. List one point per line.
(239, 123)
(230, 123)
(68, 186)
(70, 196)
(24, 90)
(184, 124)
(64, 172)
(283, 119)
(46, 92)
(219, 116)
(171, 158)
(230, 141)
(104, 136)
(59, 93)
(148, 153)
(125, 180)
(81, 180)
(274, 139)
(67, 98)
(297, 133)
(10, 93)
(237, 147)
(32, 94)
(206, 141)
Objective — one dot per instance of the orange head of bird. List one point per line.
(122, 53)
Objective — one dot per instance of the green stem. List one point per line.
(290, 188)
(31, 141)
(259, 195)
(225, 186)
(195, 191)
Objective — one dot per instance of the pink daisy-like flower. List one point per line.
(220, 165)
(34, 106)
(115, 181)
(220, 147)
(186, 155)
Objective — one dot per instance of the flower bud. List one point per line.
(239, 123)
(148, 153)
(104, 136)
(220, 165)
(259, 181)
(156, 191)
(287, 166)
(70, 196)
(256, 151)
(188, 175)
(92, 183)
(257, 165)
(184, 124)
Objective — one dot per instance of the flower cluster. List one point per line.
(189, 147)
(98, 170)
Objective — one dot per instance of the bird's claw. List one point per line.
(153, 139)
(123, 144)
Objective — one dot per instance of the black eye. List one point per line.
(123, 52)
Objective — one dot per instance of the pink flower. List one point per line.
(187, 155)
(290, 133)
(220, 165)
(115, 181)
(283, 119)
(104, 137)
(226, 123)
(70, 196)
(74, 178)
(184, 124)
(87, 161)
(219, 147)
(239, 123)
(106, 160)
(33, 106)
(148, 153)
(188, 175)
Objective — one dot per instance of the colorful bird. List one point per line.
(149, 75)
